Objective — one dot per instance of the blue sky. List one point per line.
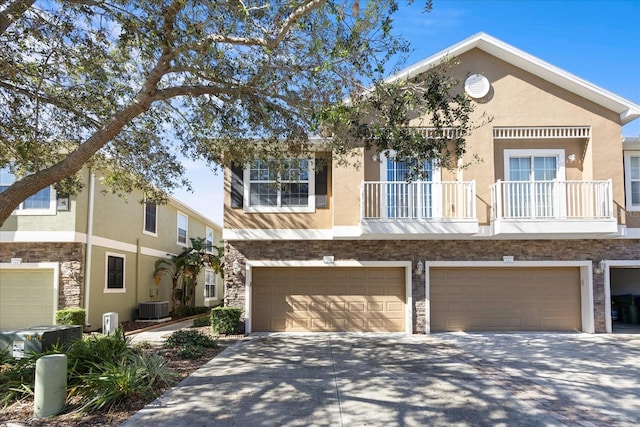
(598, 41)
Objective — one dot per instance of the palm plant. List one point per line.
(185, 268)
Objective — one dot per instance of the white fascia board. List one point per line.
(627, 110)
(276, 234)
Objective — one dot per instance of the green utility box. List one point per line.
(37, 339)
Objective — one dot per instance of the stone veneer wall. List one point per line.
(426, 250)
(69, 255)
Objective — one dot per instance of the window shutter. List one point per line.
(237, 186)
(321, 177)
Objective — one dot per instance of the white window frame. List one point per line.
(558, 153)
(311, 205)
(106, 289)
(21, 211)
(144, 220)
(209, 248)
(559, 205)
(215, 284)
(178, 215)
(436, 190)
(629, 206)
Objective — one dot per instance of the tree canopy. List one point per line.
(128, 86)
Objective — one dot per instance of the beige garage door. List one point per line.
(26, 298)
(328, 299)
(505, 299)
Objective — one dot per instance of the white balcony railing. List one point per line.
(551, 200)
(424, 200)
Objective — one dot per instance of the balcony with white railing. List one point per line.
(552, 207)
(420, 209)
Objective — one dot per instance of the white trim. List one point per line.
(42, 236)
(627, 110)
(215, 284)
(586, 283)
(276, 234)
(144, 220)
(55, 266)
(627, 180)
(106, 289)
(213, 236)
(310, 208)
(178, 242)
(320, 263)
(530, 153)
(155, 253)
(607, 286)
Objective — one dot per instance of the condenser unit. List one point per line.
(152, 310)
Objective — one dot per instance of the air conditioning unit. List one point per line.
(152, 310)
(109, 323)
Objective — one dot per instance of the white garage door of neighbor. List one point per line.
(26, 298)
(505, 299)
(292, 299)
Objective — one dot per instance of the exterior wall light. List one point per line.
(235, 267)
(419, 267)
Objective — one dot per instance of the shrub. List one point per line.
(225, 320)
(111, 383)
(202, 321)
(185, 337)
(190, 351)
(71, 316)
(17, 378)
(186, 311)
(104, 370)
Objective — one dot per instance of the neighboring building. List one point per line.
(94, 250)
(537, 236)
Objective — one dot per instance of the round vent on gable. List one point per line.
(477, 86)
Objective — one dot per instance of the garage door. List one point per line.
(505, 299)
(328, 299)
(26, 298)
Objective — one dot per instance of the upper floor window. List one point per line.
(291, 189)
(151, 218)
(41, 203)
(183, 228)
(209, 283)
(114, 280)
(209, 239)
(632, 180)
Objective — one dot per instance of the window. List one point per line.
(632, 180)
(531, 188)
(291, 191)
(409, 199)
(150, 218)
(209, 284)
(209, 240)
(183, 228)
(41, 203)
(114, 281)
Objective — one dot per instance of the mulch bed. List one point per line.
(22, 412)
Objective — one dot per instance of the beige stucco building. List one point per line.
(94, 250)
(537, 236)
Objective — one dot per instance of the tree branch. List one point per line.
(13, 12)
(286, 26)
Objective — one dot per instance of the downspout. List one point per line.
(88, 251)
(136, 289)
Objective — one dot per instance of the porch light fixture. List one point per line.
(419, 267)
(572, 158)
(235, 267)
(601, 265)
(374, 157)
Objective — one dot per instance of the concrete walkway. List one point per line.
(157, 335)
(410, 380)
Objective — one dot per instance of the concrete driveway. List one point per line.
(410, 380)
